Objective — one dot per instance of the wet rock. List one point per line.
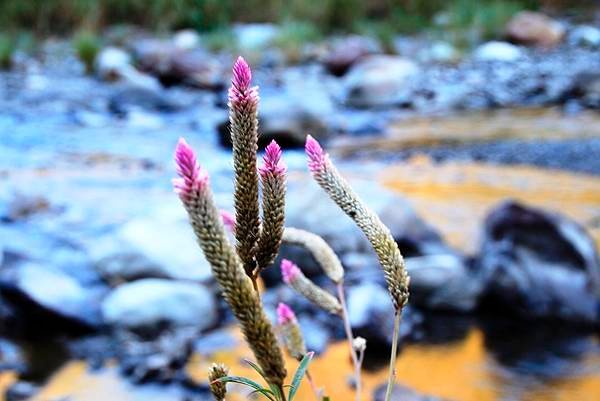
(160, 360)
(439, 52)
(586, 89)
(498, 51)
(316, 335)
(137, 251)
(11, 356)
(21, 390)
(371, 316)
(347, 51)
(287, 119)
(585, 35)
(443, 282)
(22, 207)
(378, 81)
(533, 28)
(150, 305)
(539, 264)
(45, 295)
(402, 393)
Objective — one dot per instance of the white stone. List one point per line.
(498, 51)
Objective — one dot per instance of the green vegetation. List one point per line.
(87, 45)
(7, 49)
(292, 37)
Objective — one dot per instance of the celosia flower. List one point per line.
(328, 177)
(317, 246)
(191, 177)
(292, 335)
(228, 220)
(217, 388)
(197, 198)
(293, 276)
(243, 103)
(272, 174)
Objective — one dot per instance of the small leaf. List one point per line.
(250, 383)
(299, 374)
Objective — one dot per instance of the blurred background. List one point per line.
(471, 127)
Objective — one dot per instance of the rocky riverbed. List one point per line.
(99, 264)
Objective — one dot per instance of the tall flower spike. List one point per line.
(290, 330)
(226, 267)
(328, 177)
(272, 174)
(324, 255)
(243, 105)
(293, 276)
(217, 388)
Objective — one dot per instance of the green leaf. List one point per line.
(326, 398)
(299, 374)
(250, 383)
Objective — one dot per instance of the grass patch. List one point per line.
(87, 45)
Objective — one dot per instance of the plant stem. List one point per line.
(392, 373)
(313, 386)
(282, 393)
(350, 336)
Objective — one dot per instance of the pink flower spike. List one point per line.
(191, 177)
(273, 163)
(317, 158)
(289, 271)
(242, 74)
(228, 220)
(285, 314)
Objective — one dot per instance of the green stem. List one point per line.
(392, 372)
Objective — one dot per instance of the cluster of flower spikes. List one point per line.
(257, 244)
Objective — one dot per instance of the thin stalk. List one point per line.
(282, 393)
(392, 372)
(313, 386)
(350, 336)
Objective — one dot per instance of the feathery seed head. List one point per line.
(191, 176)
(273, 163)
(217, 388)
(289, 271)
(317, 158)
(285, 314)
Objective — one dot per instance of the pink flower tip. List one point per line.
(273, 163)
(191, 177)
(285, 314)
(317, 158)
(228, 220)
(289, 271)
(242, 74)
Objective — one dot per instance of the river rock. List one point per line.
(402, 393)
(372, 315)
(346, 51)
(533, 28)
(497, 51)
(378, 81)
(160, 247)
(443, 282)
(114, 64)
(149, 305)
(585, 35)
(539, 264)
(186, 39)
(255, 37)
(45, 295)
(173, 65)
(586, 89)
(287, 119)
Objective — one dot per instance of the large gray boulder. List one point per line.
(540, 264)
(149, 305)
